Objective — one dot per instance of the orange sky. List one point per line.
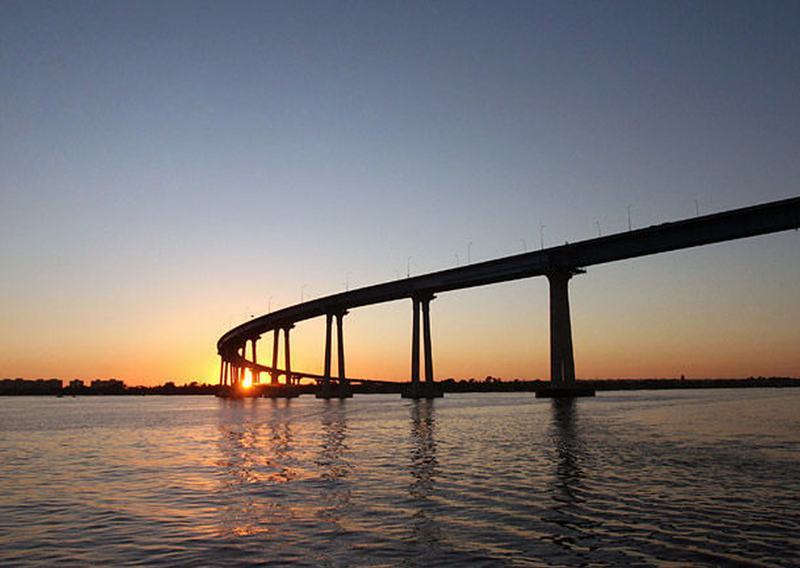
(703, 313)
(167, 171)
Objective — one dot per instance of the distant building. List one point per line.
(108, 386)
(21, 386)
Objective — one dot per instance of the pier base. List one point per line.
(422, 390)
(570, 391)
(263, 390)
(281, 391)
(328, 391)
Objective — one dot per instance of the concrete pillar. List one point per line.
(275, 342)
(256, 374)
(340, 347)
(328, 331)
(562, 360)
(429, 389)
(415, 344)
(221, 370)
(426, 335)
(326, 389)
(287, 354)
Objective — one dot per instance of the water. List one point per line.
(643, 478)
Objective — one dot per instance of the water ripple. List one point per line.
(680, 478)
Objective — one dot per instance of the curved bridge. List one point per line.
(558, 264)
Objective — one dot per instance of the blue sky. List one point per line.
(167, 168)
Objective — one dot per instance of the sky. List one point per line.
(170, 169)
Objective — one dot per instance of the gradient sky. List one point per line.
(168, 169)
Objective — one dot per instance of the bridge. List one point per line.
(558, 264)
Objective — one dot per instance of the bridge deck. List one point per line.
(739, 223)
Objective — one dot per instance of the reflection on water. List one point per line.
(333, 463)
(424, 468)
(566, 501)
(255, 456)
(567, 478)
(677, 478)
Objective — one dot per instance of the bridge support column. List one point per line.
(287, 354)
(256, 374)
(426, 337)
(416, 389)
(342, 389)
(328, 333)
(324, 389)
(221, 370)
(276, 335)
(415, 344)
(562, 359)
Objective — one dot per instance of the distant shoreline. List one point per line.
(53, 387)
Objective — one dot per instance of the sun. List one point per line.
(247, 382)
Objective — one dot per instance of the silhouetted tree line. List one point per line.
(28, 387)
(493, 384)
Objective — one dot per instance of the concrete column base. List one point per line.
(422, 390)
(281, 391)
(328, 391)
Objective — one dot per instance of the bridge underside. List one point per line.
(562, 359)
